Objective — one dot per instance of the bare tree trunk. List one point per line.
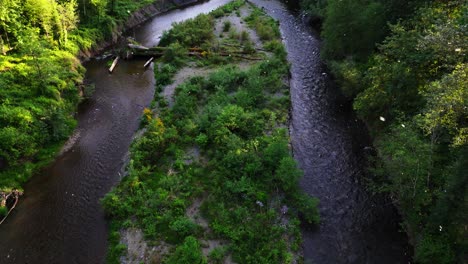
(1, 45)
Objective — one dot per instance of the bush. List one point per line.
(175, 54)
(187, 253)
(434, 250)
(183, 227)
(3, 211)
(190, 33)
(217, 255)
(226, 26)
(342, 38)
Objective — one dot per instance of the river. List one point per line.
(329, 143)
(59, 220)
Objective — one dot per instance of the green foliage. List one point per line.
(314, 7)
(227, 9)
(447, 106)
(183, 227)
(276, 47)
(174, 54)
(242, 175)
(3, 211)
(114, 253)
(36, 105)
(226, 26)
(191, 33)
(217, 255)
(430, 250)
(187, 253)
(265, 26)
(247, 167)
(307, 208)
(407, 163)
(352, 28)
(40, 75)
(349, 76)
(412, 92)
(163, 73)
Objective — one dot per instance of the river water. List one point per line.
(59, 220)
(329, 144)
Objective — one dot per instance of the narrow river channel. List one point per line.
(59, 220)
(329, 144)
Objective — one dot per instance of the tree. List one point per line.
(10, 24)
(447, 106)
(352, 27)
(68, 19)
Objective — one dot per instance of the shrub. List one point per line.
(226, 26)
(187, 253)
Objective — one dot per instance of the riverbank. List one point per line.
(212, 177)
(408, 84)
(14, 176)
(136, 18)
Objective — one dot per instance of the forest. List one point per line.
(404, 66)
(41, 77)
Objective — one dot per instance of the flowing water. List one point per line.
(329, 144)
(59, 220)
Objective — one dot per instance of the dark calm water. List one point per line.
(59, 220)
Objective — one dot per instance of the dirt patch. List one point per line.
(192, 155)
(181, 76)
(238, 25)
(208, 245)
(138, 250)
(193, 212)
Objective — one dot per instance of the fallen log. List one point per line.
(148, 62)
(114, 64)
(134, 46)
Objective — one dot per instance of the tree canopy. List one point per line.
(404, 65)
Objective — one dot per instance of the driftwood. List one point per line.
(148, 62)
(114, 64)
(133, 46)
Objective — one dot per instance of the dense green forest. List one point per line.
(212, 177)
(404, 65)
(41, 77)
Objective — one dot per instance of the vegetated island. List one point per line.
(211, 179)
(41, 77)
